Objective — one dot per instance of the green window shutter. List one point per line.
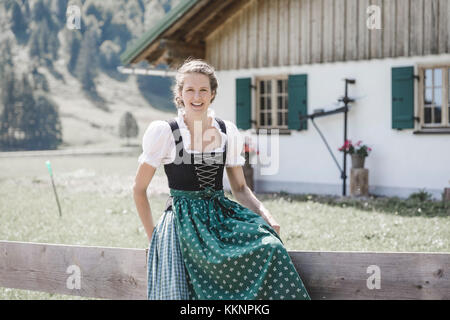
(297, 101)
(243, 103)
(403, 98)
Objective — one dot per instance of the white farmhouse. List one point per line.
(279, 59)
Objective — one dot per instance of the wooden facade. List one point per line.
(270, 33)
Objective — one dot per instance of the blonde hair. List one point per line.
(192, 65)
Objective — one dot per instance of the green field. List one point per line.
(95, 193)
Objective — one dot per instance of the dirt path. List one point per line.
(134, 150)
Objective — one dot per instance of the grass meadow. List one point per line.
(98, 210)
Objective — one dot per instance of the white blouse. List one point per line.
(158, 143)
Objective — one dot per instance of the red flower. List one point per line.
(358, 148)
(346, 146)
(250, 149)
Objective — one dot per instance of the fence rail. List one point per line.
(121, 273)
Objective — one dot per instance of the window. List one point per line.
(434, 103)
(272, 102)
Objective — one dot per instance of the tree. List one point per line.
(40, 11)
(6, 56)
(39, 80)
(35, 48)
(19, 24)
(86, 66)
(7, 116)
(48, 134)
(73, 44)
(28, 121)
(44, 43)
(109, 55)
(128, 127)
(156, 90)
(59, 8)
(90, 8)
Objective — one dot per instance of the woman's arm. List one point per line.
(245, 196)
(143, 177)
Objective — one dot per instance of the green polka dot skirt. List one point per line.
(230, 252)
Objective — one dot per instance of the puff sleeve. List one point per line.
(156, 143)
(235, 146)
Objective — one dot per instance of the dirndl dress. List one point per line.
(209, 247)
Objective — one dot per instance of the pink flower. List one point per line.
(357, 148)
(249, 147)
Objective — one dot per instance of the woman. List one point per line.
(205, 245)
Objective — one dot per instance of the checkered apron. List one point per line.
(165, 268)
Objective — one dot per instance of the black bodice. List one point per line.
(195, 171)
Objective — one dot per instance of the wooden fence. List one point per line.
(121, 273)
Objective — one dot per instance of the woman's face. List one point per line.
(196, 93)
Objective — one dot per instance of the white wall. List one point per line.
(401, 162)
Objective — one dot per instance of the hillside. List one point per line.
(84, 125)
(77, 69)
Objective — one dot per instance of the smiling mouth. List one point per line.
(197, 105)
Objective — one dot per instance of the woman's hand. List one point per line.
(265, 214)
(245, 196)
(276, 227)
(271, 221)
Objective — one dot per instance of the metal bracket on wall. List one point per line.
(346, 100)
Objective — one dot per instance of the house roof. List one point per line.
(181, 32)
(173, 15)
